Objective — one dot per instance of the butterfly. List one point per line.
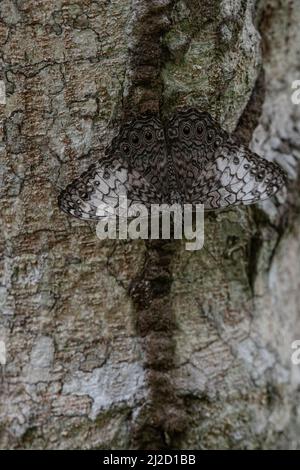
(188, 159)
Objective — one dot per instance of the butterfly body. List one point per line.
(188, 159)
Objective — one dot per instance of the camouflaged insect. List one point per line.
(188, 159)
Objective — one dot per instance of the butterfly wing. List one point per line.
(236, 176)
(203, 165)
(134, 166)
(193, 138)
(218, 172)
(102, 189)
(141, 145)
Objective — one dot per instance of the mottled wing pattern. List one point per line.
(100, 192)
(192, 161)
(83, 196)
(236, 176)
(218, 172)
(141, 145)
(134, 165)
(193, 138)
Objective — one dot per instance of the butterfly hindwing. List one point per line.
(193, 137)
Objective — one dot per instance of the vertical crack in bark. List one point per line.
(161, 418)
(143, 84)
(250, 118)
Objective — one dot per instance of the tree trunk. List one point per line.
(126, 344)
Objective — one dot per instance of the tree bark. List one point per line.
(126, 344)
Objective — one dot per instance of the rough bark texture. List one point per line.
(122, 345)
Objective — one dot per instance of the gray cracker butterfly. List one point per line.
(188, 159)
